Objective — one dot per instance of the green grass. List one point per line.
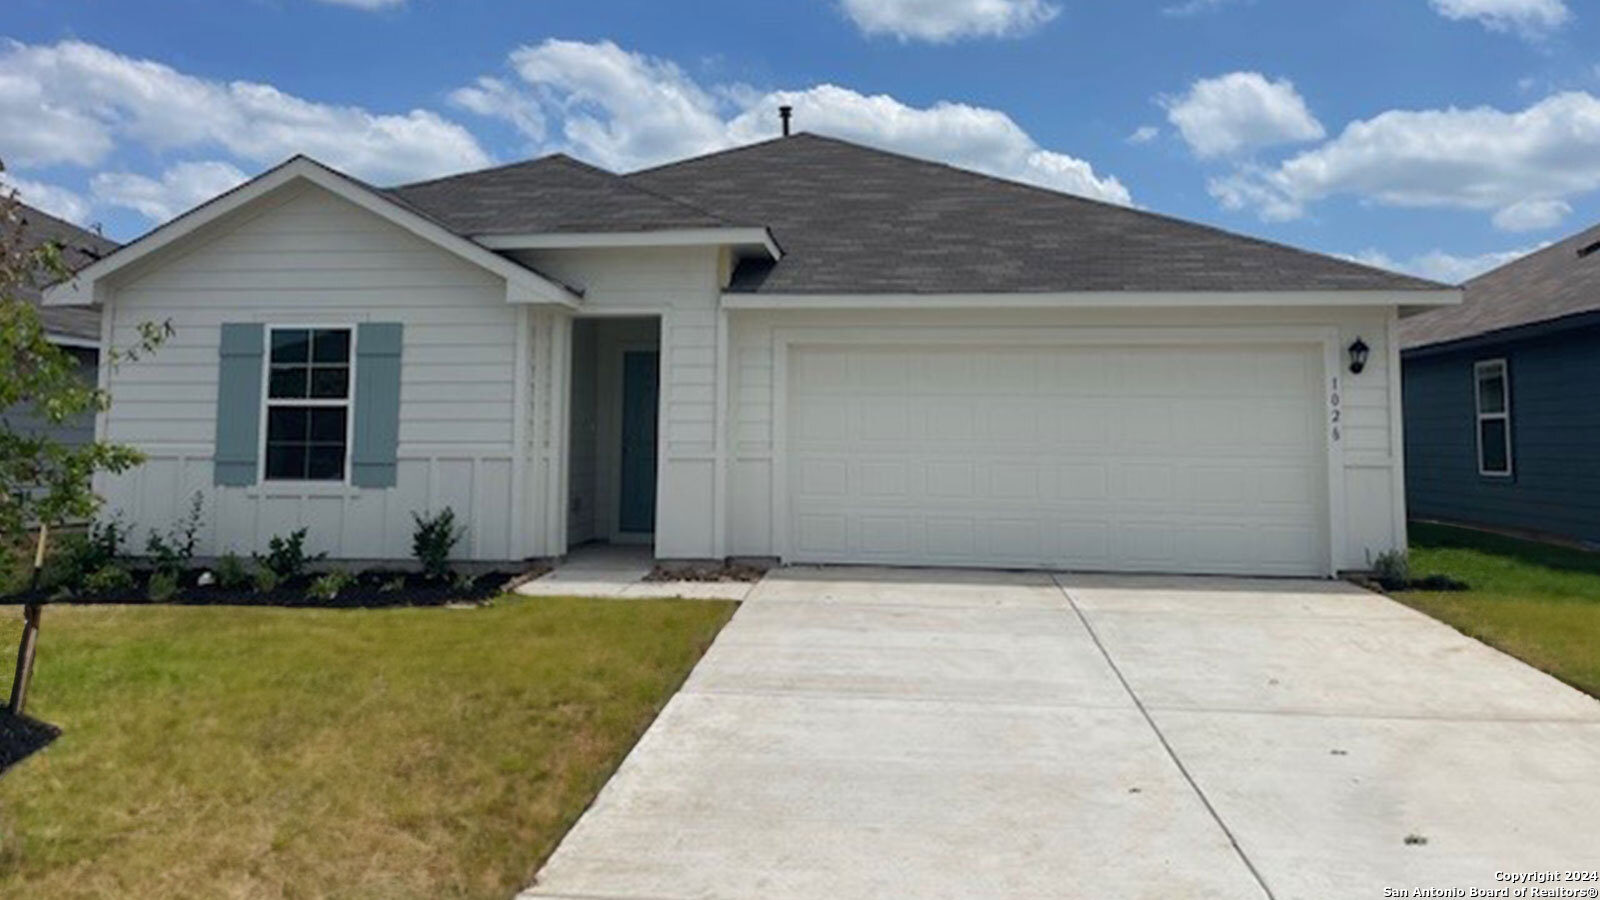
(230, 752)
(1537, 602)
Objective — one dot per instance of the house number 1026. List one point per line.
(1334, 401)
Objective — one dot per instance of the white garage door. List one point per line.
(1205, 459)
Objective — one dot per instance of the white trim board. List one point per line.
(753, 238)
(1093, 299)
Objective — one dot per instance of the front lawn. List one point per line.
(230, 752)
(1537, 602)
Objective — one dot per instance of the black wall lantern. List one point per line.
(1358, 356)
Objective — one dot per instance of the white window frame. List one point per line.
(1479, 370)
(267, 402)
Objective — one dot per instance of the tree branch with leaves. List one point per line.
(46, 483)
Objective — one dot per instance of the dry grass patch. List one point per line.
(229, 752)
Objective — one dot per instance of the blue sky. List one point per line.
(1439, 136)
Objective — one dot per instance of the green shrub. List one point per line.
(110, 580)
(286, 556)
(233, 574)
(328, 585)
(163, 586)
(266, 580)
(1393, 570)
(82, 555)
(432, 540)
(174, 552)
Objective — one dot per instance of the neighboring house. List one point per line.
(1502, 415)
(75, 330)
(803, 349)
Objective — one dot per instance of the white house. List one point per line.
(802, 349)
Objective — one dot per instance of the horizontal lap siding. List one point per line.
(1555, 438)
(314, 258)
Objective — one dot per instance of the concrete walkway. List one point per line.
(858, 733)
(618, 571)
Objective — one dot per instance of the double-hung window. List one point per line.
(1493, 380)
(308, 404)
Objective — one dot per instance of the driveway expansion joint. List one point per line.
(1166, 745)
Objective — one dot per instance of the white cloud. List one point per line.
(74, 103)
(1195, 7)
(1519, 164)
(1250, 189)
(1530, 18)
(366, 4)
(939, 21)
(53, 199)
(1239, 112)
(494, 98)
(1532, 215)
(1144, 134)
(182, 187)
(1440, 266)
(627, 111)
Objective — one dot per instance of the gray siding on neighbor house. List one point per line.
(1555, 436)
(74, 432)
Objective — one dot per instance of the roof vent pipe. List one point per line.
(786, 113)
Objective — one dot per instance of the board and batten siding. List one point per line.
(681, 285)
(308, 257)
(1554, 487)
(1371, 507)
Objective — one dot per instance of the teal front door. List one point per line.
(640, 400)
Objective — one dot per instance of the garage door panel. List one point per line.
(1156, 459)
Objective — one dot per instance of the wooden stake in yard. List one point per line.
(31, 613)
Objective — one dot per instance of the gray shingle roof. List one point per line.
(852, 219)
(551, 194)
(79, 247)
(1541, 287)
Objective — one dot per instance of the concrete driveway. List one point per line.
(859, 733)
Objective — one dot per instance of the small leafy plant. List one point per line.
(163, 586)
(328, 586)
(174, 552)
(233, 574)
(109, 580)
(1392, 570)
(286, 556)
(82, 555)
(432, 541)
(266, 580)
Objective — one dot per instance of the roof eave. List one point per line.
(749, 241)
(1404, 299)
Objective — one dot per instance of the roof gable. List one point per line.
(1551, 284)
(853, 219)
(523, 284)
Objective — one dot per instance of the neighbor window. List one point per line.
(1494, 417)
(308, 404)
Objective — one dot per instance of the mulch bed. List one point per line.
(1435, 583)
(374, 589)
(21, 737)
(707, 572)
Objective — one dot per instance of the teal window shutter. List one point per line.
(376, 430)
(238, 405)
